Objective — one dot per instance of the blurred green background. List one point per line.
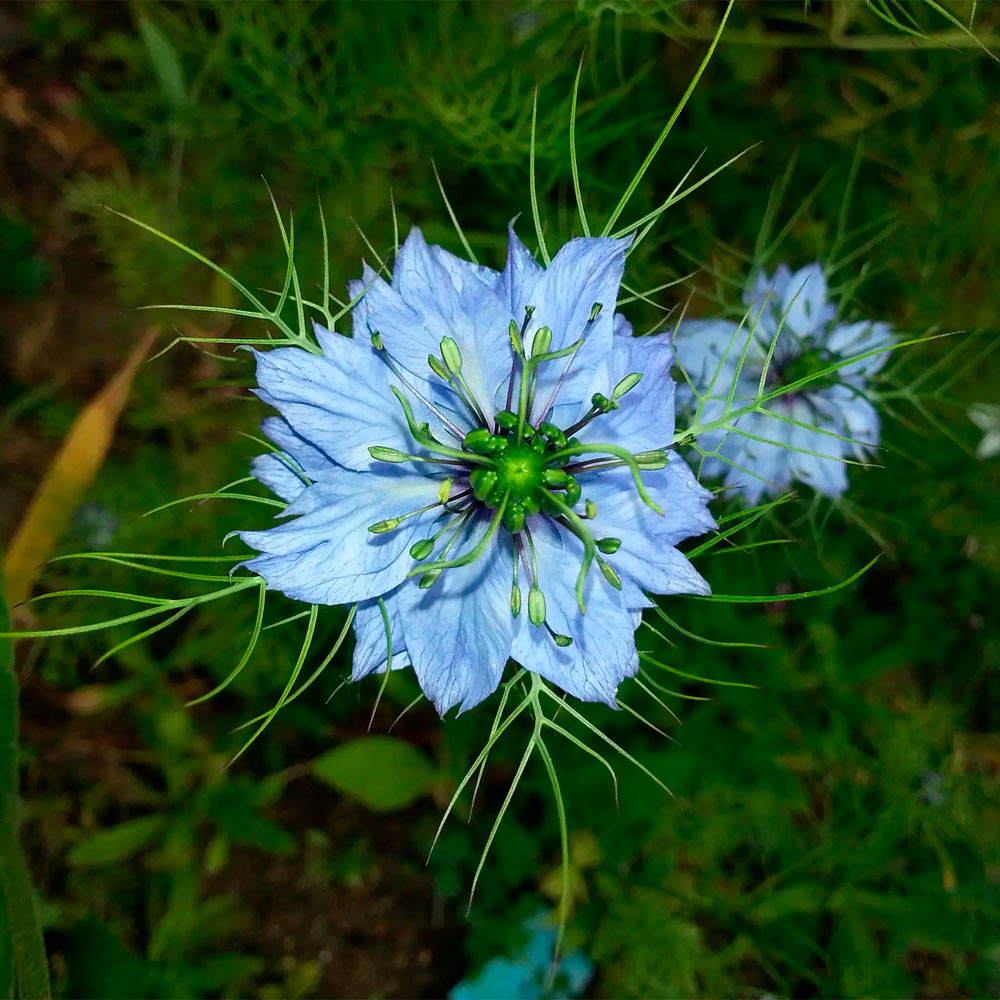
(835, 829)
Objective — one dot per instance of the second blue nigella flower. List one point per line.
(482, 469)
(802, 435)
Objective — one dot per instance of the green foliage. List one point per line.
(382, 772)
(835, 794)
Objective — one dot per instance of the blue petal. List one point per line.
(763, 287)
(709, 352)
(277, 474)
(519, 276)
(645, 418)
(341, 405)
(647, 554)
(326, 555)
(584, 272)
(458, 632)
(370, 641)
(803, 302)
(603, 652)
(858, 338)
(306, 456)
(431, 299)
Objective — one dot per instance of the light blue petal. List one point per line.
(709, 352)
(445, 301)
(275, 472)
(803, 301)
(860, 418)
(603, 650)
(371, 647)
(341, 405)
(326, 555)
(858, 338)
(763, 287)
(647, 554)
(585, 271)
(645, 418)
(519, 276)
(306, 456)
(458, 632)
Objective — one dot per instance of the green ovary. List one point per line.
(519, 471)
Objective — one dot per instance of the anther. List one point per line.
(381, 454)
(452, 355)
(422, 549)
(536, 606)
(609, 546)
(627, 384)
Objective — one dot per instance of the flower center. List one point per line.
(808, 365)
(519, 471)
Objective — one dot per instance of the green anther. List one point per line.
(429, 579)
(552, 434)
(542, 342)
(451, 354)
(609, 546)
(444, 490)
(562, 640)
(483, 482)
(573, 492)
(476, 440)
(609, 574)
(381, 527)
(377, 341)
(627, 384)
(652, 460)
(620, 453)
(437, 367)
(515, 340)
(513, 518)
(381, 454)
(515, 601)
(506, 420)
(555, 478)
(590, 509)
(595, 311)
(422, 549)
(536, 606)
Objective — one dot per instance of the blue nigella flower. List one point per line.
(483, 435)
(790, 313)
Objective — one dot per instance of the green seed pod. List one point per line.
(451, 354)
(536, 606)
(475, 440)
(506, 420)
(609, 546)
(483, 482)
(422, 549)
(513, 517)
(555, 478)
(573, 492)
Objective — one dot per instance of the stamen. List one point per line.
(517, 346)
(381, 454)
(583, 533)
(626, 457)
(379, 346)
(473, 554)
(595, 311)
(421, 434)
(515, 590)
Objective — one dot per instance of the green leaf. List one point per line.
(382, 772)
(166, 64)
(117, 842)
